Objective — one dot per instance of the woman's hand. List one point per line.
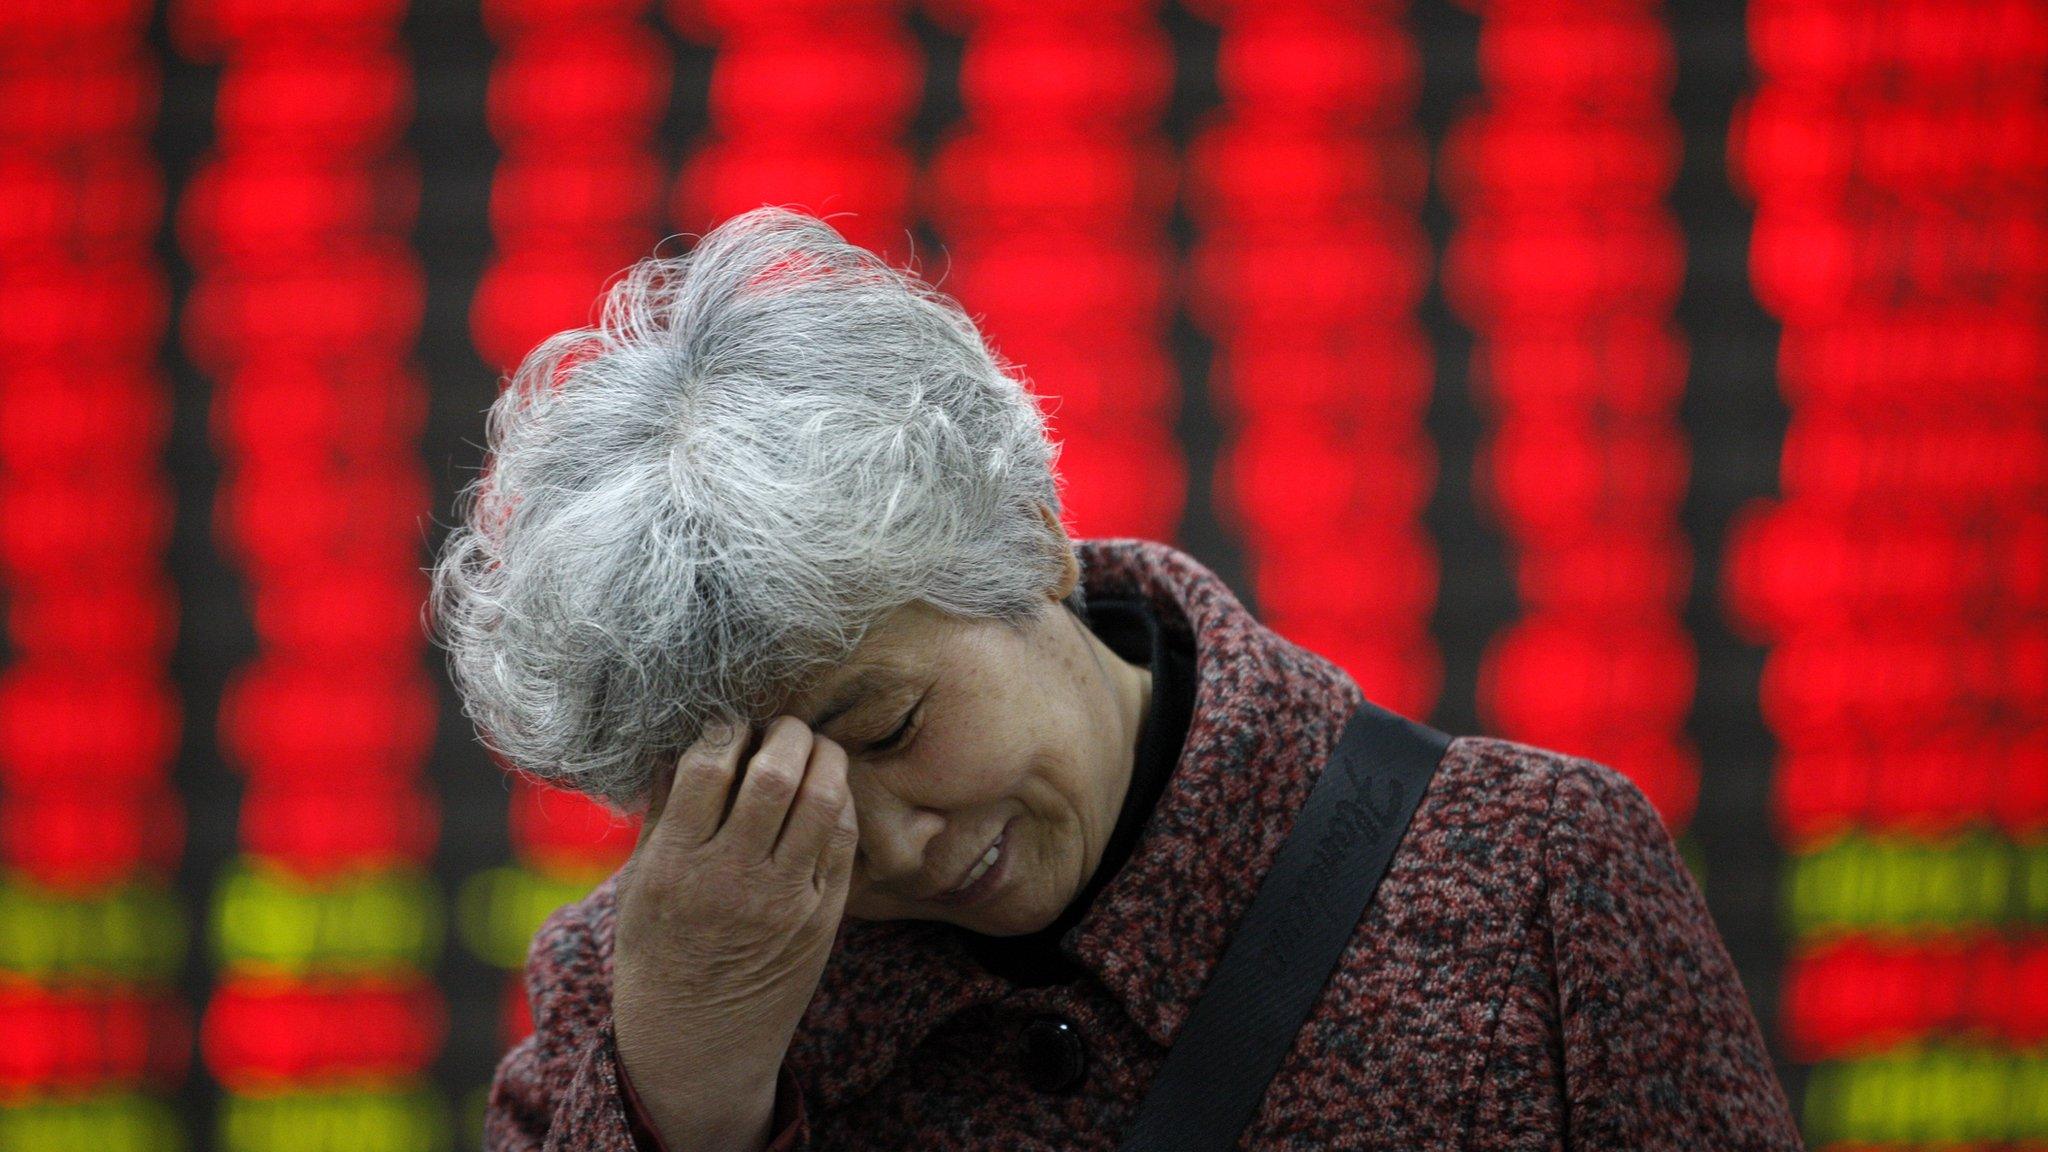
(726, 912)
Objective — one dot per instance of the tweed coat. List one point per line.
(1537, 969)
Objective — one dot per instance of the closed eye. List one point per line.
(891, 741)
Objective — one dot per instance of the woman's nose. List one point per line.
(894, 838)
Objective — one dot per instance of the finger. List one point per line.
(767, 787)
(835, 865)
(702, 780)
(732, 791)
(817, 808)
(657, 799)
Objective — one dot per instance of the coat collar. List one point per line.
(1267, 715)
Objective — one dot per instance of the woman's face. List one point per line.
(1033, 731)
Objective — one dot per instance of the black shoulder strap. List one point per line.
(1282, 954)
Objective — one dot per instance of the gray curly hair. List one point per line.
(702, 504)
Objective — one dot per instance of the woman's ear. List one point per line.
(1072, 573)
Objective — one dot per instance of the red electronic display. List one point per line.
(1305, 185)
(1895, 581)
(305, 308)
(67, 1041)
(1663, 387)
(1567, 264)
(92, 831)
(264, 1034)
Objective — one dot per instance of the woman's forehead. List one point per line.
(908, 636)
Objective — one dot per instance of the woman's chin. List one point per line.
(996, 919)
(1002, 924)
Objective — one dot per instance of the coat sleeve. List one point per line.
(1661, 1048)
(563, 1089)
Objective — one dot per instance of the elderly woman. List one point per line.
(949, 818)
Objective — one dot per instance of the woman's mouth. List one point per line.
(986, 875)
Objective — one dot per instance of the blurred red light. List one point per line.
(1052, 283)
(283, 521)
(868, 178)
(1607, 575)
(1116, 80)
(1811, 264)
(345, 100)
(578, 200)
(862, 85)
(1820, 687)
(992, 17)
(276, 414)
(348, 819)
(1542, 158)
(1895, 364)
(1844, 466)
(1401, 671)
(68, 1040)
(1856, 997)
(102, 202)
(85, 840)
(1624, 366)
(260, 207)
(74, 416)
(42, 25)
(515, 1015)
(78, 97)
(294, 719)
(984, 183)
(1331, 277)
(1799, 566)
(1374, 377)
(61, 312)
(740, 19)
(1663, 765)
(1931, 787)
(529, 294)
(1103, 384)
(115, 626)
(1384, 579)
(2020, 800)
(1506, 271)
(260, 1032)
(307, 301)
(1295, 65)
(362, 301)
(1606, 56)
(1258, 174)
(206, 28)
(602, 83)
(113, 522)
(1565, 684)
(1292, 477)
(2011, 990)
(1820, 792)
(512, 19)
(365, 617)
(565, 831)
(1554, 478)
(1136, 475)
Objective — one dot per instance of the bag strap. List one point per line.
(1283, 952)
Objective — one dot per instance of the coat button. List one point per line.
(1052, 1054)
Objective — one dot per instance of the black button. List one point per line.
(1052, 1054)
